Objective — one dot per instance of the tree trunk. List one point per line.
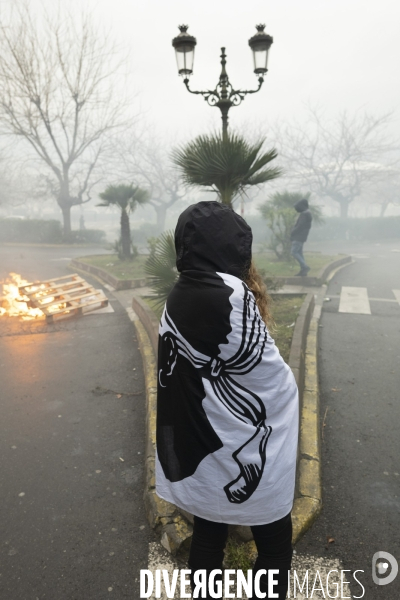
(226, 197)
(125, 234)
(161, 212)
(344, 209)
(64, 202)
(384, 206)
(66, 213)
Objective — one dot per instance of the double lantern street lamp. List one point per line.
(224, 95)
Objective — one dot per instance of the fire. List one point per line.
(12, 304)
(51, 299)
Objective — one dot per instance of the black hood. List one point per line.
(210, 236)
(301, 205)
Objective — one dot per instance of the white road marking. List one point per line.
(397, 295)
(390, 300)
(109, 287)
(105, 309)
(97, 311)
(131, 314)
(159, 559)
(354, 300)
(382, 300)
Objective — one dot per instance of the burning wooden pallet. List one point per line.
(63, 296)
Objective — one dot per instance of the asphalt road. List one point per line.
(72, 521)
(79, 531)
(359, 361)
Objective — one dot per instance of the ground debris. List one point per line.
(101, 391)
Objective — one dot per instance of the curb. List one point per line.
(164, 517)
(175, 530)
(148, 320)
(117, 284)
(317, 281)
(308, 504)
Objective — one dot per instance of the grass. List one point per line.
(275, 268)
(237, 556)
(134, 268)
(284, 311)
(122, 269)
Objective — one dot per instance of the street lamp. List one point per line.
(224, 95)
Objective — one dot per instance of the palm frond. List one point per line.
(264, 176)
(126, 197)
(228, 165)
(139, 196)
(161, 266)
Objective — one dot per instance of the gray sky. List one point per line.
(338, 54)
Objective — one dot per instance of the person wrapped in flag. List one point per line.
(227, 403)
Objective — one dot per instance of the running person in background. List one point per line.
(300, 233)
(227, 404)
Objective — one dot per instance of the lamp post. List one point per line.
(224, 96)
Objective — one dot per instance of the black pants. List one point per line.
(274, 546)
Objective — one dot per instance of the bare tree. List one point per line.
(13, 179)
(337, 158)
(57, 96)
(387, 192)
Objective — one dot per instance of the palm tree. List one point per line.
(127, 198)
(161, 266)
(228, 166)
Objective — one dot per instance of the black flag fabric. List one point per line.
(227, 408)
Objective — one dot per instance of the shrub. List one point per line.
(161, 266)
(118, 248)
(31, 231)
(144, 232)
(369, 229)
(86, 236)
(280, 214)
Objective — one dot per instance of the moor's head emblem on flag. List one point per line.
(225, 379)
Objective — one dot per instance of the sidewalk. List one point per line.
(360, 411)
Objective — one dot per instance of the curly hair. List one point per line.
(256, 284)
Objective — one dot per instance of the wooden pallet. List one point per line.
(63, 296)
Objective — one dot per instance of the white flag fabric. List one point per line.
(227, 422)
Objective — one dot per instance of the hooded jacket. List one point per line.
(302, 226)
(227, 405)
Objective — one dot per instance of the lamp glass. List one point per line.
(260, 56)
(185, 59)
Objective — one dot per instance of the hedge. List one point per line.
(40, 231)
(86, 236)
(337, 228)
(369, 229)
(30, 230)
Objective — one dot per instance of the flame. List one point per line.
(12, 304)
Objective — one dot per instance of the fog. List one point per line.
(340, 55)
(328, 57)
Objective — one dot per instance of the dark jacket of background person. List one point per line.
(302, 227)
